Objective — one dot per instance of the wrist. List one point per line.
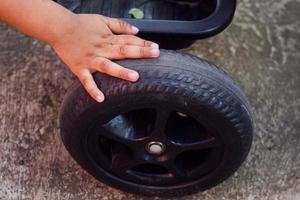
(63, 28)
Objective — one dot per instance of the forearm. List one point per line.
(44, 20)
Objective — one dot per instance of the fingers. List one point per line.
(113, 69)
(108, 67)
(131, 40)
(129, 51)
(89, 84)
(120, 26)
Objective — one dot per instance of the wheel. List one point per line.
(184, 127)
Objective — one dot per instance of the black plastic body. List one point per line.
(173, 24)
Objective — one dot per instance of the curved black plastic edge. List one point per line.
(212, 25)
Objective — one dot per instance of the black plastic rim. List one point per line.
(190, 150)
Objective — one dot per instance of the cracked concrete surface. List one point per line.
(261, 50)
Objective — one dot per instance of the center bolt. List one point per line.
(155, 148)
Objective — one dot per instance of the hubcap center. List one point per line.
(155, 147)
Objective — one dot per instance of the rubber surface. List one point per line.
(194, 83)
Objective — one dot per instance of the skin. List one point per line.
(85, 42)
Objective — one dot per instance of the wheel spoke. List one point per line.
(107, 133)
(204, 144)
(177, 173)
(175, 170)
(162, 117)
(118, 130)
(207, 166)
(120, 160)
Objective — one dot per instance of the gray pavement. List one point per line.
(261, 50)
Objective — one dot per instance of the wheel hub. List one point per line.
(155, 147)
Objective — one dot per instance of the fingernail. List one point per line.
(100, 98)
(154, 46)
(154, 52)
(133, 76)
(134, 29)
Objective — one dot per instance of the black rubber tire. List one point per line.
(182, 78)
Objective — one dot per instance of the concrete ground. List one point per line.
(261, 50)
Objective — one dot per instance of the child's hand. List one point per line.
(91, 45)
(86, 43)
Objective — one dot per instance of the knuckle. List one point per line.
(104, 65)
(89, 53)
(123, 24)
(85, 81)
(100, 45)
(129, 38)
(122, 50)
(106, 36)
(114, 39)
(121, 73)
(142, 51)
(125, 39)
(147, 43)
(89, 90)
(87, 85)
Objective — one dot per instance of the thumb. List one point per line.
(120, 26)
